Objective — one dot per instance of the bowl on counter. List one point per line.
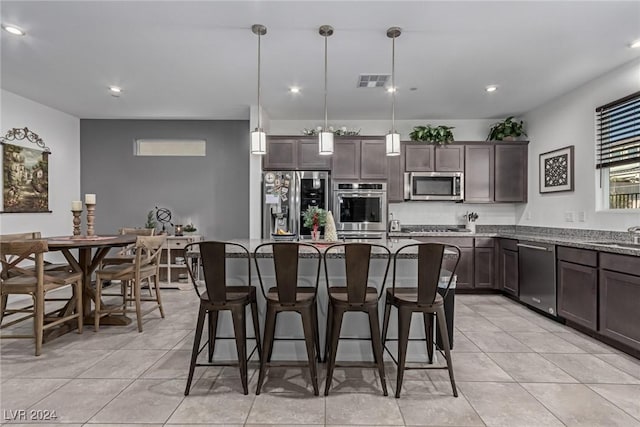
(288, 237)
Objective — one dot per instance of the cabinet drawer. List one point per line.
(461, 242)
(578, 256)
(622, 263)
(178, 243)
(484, 242)
(509, 244)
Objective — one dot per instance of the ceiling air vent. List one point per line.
(373, 80)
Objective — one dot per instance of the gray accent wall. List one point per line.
(212, 191)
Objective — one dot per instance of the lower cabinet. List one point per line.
(578, 286)
(620, 299)
(508, 267)
(484, 263)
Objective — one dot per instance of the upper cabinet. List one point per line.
(355, 159)
(496, 172)
(421, 157)
(287, 153)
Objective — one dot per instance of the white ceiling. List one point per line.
(182, 59)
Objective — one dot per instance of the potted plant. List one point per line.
(433, 134)
(151, 220)
(189, 228)
(314, 218)
(506, 130)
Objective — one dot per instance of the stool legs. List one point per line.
(385, 321)
(404, 323)
(196, 345)
(240, 332)
(308, 320)
(256, 327)
(269, 332)
(428, 333)
(376, 343)
(336, 324)
(316, 331)
(212, 329)
(445, 342)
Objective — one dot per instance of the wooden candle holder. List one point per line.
(77, 221)
(91, 215)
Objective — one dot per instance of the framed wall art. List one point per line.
(556, 170)
(25, 173)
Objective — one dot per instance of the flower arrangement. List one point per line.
(314, 217)
(189, 228)
(343, 131)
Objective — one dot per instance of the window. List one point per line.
(618, 152)
(170, 147)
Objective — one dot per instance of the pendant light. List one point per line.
(325, 137)
(393, 138)
(258, 137)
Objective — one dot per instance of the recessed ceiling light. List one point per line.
(491, 88)
(392, 89)
(635, 44)
(115, 89)
(12, 29)
(294, 89)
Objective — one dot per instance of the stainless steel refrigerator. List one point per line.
(286, 195)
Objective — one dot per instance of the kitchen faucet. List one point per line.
(635, 234)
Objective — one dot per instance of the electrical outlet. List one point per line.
(568, 216)
(582, 216)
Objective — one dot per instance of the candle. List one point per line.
(90, 199)
(76, 205)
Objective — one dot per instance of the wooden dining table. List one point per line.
(91, 252)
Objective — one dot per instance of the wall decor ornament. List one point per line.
(556, 170)
(25, 173)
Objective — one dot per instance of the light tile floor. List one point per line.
(513, 367)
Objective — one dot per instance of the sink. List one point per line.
(616, 244)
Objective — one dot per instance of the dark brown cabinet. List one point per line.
(484, 260)
(373, 159)
(420, 157)
(620, 298)
(578, 286)
(508, 266)
(479, 173)
(364, 159)
(464, 271)
(510, 173)
(309, 157)
(395, 179)
(285, 153)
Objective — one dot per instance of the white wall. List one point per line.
(570, 120)
(61, 133)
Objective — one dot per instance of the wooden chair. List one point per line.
(423, 298)
(220, 297)
(35, 282)
(355, 295)
(288, 296)
(48, 266)
(145, 267)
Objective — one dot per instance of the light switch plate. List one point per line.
(582, 216)
(568, 216)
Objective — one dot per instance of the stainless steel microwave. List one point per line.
(434, 186)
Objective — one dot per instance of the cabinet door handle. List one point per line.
(538, 248)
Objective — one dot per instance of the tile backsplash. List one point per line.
(414, 213)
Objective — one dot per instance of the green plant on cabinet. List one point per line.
(433, 134)
(151, 220)
(507, 129)
(314, 216)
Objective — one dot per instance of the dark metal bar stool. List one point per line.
(287, 295)
(422, 299)
(356, 295)
(219, 297)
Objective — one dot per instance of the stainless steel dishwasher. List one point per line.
(537, 273)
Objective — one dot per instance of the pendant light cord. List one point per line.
(325, 83)
(393, 85)
(259, 108)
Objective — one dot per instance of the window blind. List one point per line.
(618, 132)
